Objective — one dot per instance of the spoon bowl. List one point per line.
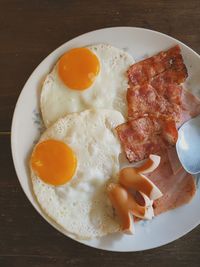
(188, 145)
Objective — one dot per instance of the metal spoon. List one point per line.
(188, 145)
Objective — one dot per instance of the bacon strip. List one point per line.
(174, 160)
(145, 99)
(145, 70)
(169, 77)
(154, 92)
(189, 108)
(146, 135)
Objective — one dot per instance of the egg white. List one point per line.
(108, 90)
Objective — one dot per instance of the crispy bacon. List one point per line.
(168, 77)
(145, 70)
(146, 135)
(156, 105)
(157, 91)
(145, 99)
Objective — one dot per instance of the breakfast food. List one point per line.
(126, 206)
(98, 104)
(146, 99)
(85, 78)
(145, 135)
(178, 186)
(170, 60)
(80, 205)
(191, 107)
(155, 106)
(134, 194)
(54, 162)
(131, 178)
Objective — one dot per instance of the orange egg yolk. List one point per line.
(78, 68)
(54, 162)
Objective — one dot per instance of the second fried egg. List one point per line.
(70, 167)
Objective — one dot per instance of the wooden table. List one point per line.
(29, 31)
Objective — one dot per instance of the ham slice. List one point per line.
(177, 189)
(174, 160)
(190, 106)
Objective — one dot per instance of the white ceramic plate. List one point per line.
(26, 129)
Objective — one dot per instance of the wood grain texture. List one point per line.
(29, 31)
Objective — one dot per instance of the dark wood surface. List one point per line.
(29, 31)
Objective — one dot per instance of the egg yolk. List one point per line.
(78, 68)
(54, 162)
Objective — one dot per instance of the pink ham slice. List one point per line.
(190, 107)
(174, 160)
(178, 189)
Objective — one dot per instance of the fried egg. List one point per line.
(86, 78)
(70, 168)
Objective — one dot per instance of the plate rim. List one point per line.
(13, 152)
